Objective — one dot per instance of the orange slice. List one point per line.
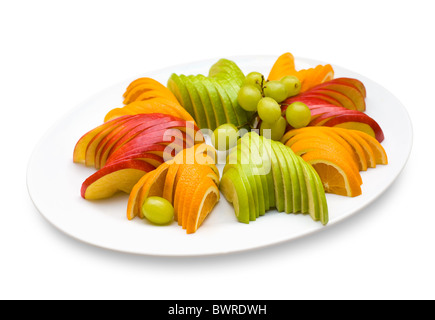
(155, 105)
(136, 88)
(205, 198)
(309, 78)
(368, 151)
(133, 203)
(153, 186)
(330, 147)
(378, 150)
(336, 175)
(169, 190)
(283, 66)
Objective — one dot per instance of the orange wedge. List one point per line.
(283, 66)
(169, 190)
(336, 175)
(370, 155)
(133, 203)
(154, 105)
(142, 85)
(378, 151)
(314, 76)
(330, 147)
(205, 198)
(309, 78)
(153, 186)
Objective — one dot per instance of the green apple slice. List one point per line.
(233, 188)
(288, 175)
(265, 146)
(241, 171)
(240, 156)
(312, 193)
(230, 67)
(178, 88)
(299, 162)
(277, 179)
(200, 115)
(215, 99)
(294, 168)
(246, 148)
(242, 115)
(226, 103)
(323, 204)
(258, 165)
(205, 101)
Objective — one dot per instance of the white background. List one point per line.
(55, 54)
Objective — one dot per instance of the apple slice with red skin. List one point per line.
(92, 154)
(162, 136)
(107, 143)
(119, 141)
(157, 150)
(120, 176)
(319, 121)
(355, 82)
(168, 122)
(346, 89)
(79, 155)
(93, 144)
(150, 157)
(358, 118)
(143, 142)
(324, 97)
(344, 100)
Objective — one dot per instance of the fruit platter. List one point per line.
(220, 156)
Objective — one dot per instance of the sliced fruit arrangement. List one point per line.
(212, 100)
(338, 155)
(262, 174)
(285, 66)
(315, 138)
(146, 95)
(190, 183)
(124, 149)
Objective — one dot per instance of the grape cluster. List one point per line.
(264, 98)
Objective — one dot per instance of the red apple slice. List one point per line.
(166, 122)
(163, 138)
(356, 122)
(107, 143)
(93, 144)
(324, 97)
(122, 139)
(344, 100)
(83, 143)
(346, 89)
(149, 154)
(121, 176)
(355, 82)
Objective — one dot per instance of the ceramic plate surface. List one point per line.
(54, 181)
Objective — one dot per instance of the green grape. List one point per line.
(277, 129)
(276, 90)
(292, 84)
(255, 79)
(249, 96)
(225, 137)
(298, 115)
(158, 210)
(269, 110)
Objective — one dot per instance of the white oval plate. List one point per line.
(54, 181)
